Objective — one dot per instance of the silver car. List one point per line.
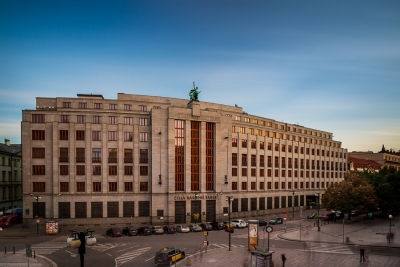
(195, 228)
(183, 229)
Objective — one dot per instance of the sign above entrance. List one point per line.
(193, 197)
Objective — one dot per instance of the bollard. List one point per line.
(5, 250)
(188, 261)
(347, 239)
(13, 250)
(34, 253)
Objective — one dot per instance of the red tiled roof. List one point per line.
(364, 163)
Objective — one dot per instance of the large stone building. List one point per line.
(384, 159)
(11, 173)
(158, 160)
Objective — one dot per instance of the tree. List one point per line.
(354, 193)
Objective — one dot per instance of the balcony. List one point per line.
(312, 167)
(128, 160)
(112, 160)
(64, 159)
(253, 163)
(296, 166)
(307, 167)
(283, 165)
(301, 166)
(234, 163)
(80, 159)
(269, 164)
(317, 167)
(96, 159)
(290, 165)
(276, 165)
(244, 163)
(261, 164)
(144, 160)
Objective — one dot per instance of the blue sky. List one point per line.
(327, 65)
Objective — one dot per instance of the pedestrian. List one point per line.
(362, 252)
(283, 259)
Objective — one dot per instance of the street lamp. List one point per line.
(79, 241)
(317, 194)
(293, 192)
(390, 226)
(229, 199)
(36, 209)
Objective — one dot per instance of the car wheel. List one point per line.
(183, 255)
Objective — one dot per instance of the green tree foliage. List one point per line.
(354, 193)
(386, 184)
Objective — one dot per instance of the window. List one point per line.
(127, 136)
(238, 118)
(63, 169)
(253, 144)
(143, 121)
(144, 186)
(234, 171)
(64, 186)
(96, 119)
(144, 154)
(127, 107)
(38, 170)
(253, 172)
(234, 142)
(82, 105)
(144, 170)
(156, 107)
(234, 186)
(283, 148)
(65, 118)
(80, 119)
(269, 146)
(142, 108)
(112, 187)
(96, 135)
(113, 106)
(128, 186)
(112, 136)
(128, 121)
(244, 143)
(38, 135)
(39, 187)
(128, 156)
(244, 185)
(80, 135)
(128, 170)
(80, 154)
(38, 118)
(66, 104)
(112, 170)
(233, 129)
(276, 147)
(80, 169)
(143, 137)
(262, 145)
(98, 105)
(38, 152)
(253, 185)
(261, 185)
(80, 187)
(96, 169)
(242, 130)
(63, 134)
(112, 120)
(96, 186)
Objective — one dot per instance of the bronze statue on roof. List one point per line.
(194, 93)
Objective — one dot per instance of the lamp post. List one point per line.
(390, 226)
(37, 216)
(229, 199)
(293, 192)
(79, 242)
(317, 194)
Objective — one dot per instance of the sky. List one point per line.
(327, 65)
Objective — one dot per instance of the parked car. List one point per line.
(228, 227)
(238, 223)
(206, 226)
(113, 232)
(195, 228)
(328, 216)
(157, 230)
(276, 220)
(217, 225)
(144, 230)
(312, 216)
(169, 229)
(129, 231)
(182, 229)
(262, 222)
(9, 220)
(167, 256)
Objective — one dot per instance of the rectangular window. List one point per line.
(128, 187)
(244, 143)
(253, 185)
(112, 170)
(234, 142)
(96, 119)
(38, 170)
(143, 121)
(144, 208)
(112, 136)
(253, 172)
(244, 185)
(38, 135)
(64, 187)
(253, 144)
(38, 152)
(144, 170)
(98, 105)
(96, 135)
(82, 105)
(234, 186)
(64, 169)
(38, 118)
(234, 172)
(128, 136)
(97, 209)
(127, 107)
(80, 169)
(66, 104)
(96, 155)
(112, 187)
(80, 119)
(244, 204)
(96, 186)
(65, 118)
(262, 145)
(144, 186)
(128, 170)
(244, 171)
(39, 187)
(128, 121)
(261, 185)
(142, 108)
(179, 155)
(96, 169)
(80, 154)
(80, 135)
(143, 137)
(128, 156)
(113, 106)
(112, 120)
(144, 155)
(112, 155)
(63, 134)
(80, 187)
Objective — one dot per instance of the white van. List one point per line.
(238, 223)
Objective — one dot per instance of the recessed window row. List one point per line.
(111, 106)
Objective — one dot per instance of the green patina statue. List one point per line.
(194, 93)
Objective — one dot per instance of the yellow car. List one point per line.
(228, 227)
(167, 256)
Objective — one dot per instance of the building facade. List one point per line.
(384, 159)
(11, 173)
(157, 160)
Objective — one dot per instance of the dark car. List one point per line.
(328, 216)
(169, 229)
(113, 232)
(262, 222)
(217, 225)
(167, 256)
(276, 220)
(144, 231)
(206, 226)
(130, 231)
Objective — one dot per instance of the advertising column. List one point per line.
(253, 234)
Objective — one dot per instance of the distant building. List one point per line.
(158, 160)
(361, 165)
(11, 173)
(384, 159)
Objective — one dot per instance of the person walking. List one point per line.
(283, 259)
(362, 252)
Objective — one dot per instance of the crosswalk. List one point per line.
(327, 248)
(130, 255)
(106, 246)
(225, 246)
(47, 248)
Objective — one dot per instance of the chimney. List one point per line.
(7, 142)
